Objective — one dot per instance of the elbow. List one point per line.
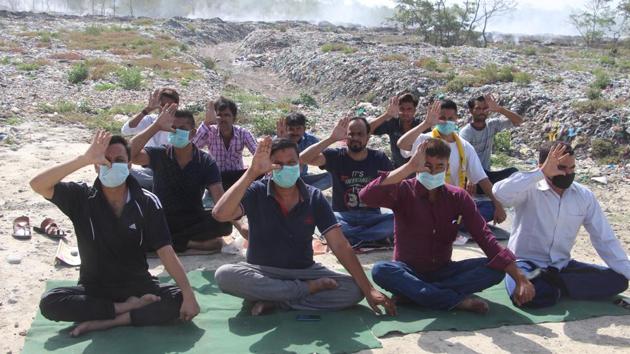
(219, 216)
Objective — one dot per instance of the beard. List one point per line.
(480, 118)
(356, 147)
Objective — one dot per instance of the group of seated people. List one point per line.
(440, 182)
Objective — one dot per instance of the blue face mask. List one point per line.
(430, 181)
(447, 128)
(114, 176)
(286, 176)
(179, 138)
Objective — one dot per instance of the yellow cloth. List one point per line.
(462, 158)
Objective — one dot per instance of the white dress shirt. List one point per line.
(546, 225)
(160, 138)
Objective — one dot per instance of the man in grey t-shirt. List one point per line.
(481, 131)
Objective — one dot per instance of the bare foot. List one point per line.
(90, 326)
(261, 307)
(473, 305)
(134, 302)
(321, 284)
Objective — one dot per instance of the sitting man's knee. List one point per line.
(382, 270)
(49, 305)
(619, 283)
(226, 276)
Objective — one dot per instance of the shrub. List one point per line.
(603, 148)
(522, 78)
(264, 125)
(394, 57)
(530, 51)
(592, 106)
(305, 99)
(594, 93)
(503, 141)
(602, 80)
(129, 78)
(78, 73)
(607, 60)
(27, 66)
(209, 63)
(428, 64)
(104, 86)
(337, 47)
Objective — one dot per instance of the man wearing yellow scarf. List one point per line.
(465, 169)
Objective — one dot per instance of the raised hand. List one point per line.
(550, 166)
(261, 162)
(340, 131)
(493, 106)
(281, 128)
(95, 154)
(433, 113)
(394, 108)
(154, 100)
(211, 114)
(418, 160)
(375, 299)
(167, 117)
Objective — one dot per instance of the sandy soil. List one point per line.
(44, 143)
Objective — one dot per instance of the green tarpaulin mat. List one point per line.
(223, 327)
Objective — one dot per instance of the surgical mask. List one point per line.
(563, 181)
(447, 128)
(113, 176)
(286, 176)
(179, 138)
(430, 181)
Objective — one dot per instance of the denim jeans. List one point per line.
(320, 181)
(442, 289)
(361, 226)
(580, 281)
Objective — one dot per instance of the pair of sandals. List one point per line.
(48, 227)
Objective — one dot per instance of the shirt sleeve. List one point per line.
(407, 154)
(201, 138)
(386, 163)
(376, 195)
(465, 132)
(249, 198)
(70, 197)
(155, 154)
(604, 240)
(384, 128)
(144, 123)
(332, 160)
(500, 124)
(474, 169)
(514, 190)
(498, 256)
(250, 142)
(212, 173)
(156, 233)
(324, 217)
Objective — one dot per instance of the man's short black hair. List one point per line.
(117, 139)
(546, 148)
(225, 103)
(472, 101)
(186, 115)
(296, 119)
(408, 97)
(283, 143)
(170, 93)
(364, 120)
(448, 104)
(438, 148)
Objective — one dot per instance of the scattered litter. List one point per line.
(601, 179)
(14, 259)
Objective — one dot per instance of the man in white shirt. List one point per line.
(550, 208)
(158, 99)
(465, 169)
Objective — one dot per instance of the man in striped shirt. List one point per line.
(225, 141)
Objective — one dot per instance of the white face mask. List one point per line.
(114, 176)
(430, 181)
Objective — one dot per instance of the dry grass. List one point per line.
(171, 69)
(69, 56)
(117, 40)
(101, 68)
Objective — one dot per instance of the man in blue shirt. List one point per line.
(293, 127)
(352, 168)
(283, 213)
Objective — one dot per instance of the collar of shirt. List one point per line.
(304, 196)
(543, 185)
(170, 152)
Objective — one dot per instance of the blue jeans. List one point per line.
(320, 181)
(361, 226)
(579, 281)
(442, 289)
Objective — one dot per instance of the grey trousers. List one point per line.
(287, 287)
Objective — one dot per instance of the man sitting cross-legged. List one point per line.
(283, 213)
(550, 208)
(428, 214)
(115, 222)
(181, 172)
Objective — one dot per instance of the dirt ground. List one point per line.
(44, 143)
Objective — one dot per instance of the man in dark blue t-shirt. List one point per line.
(181, 172)
(283, 212)
(352, 168)
(115, 221)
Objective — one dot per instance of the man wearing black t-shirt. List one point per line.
(181, 172)
(115, 222)
(352, 168)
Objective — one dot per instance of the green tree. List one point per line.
(595, 21)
